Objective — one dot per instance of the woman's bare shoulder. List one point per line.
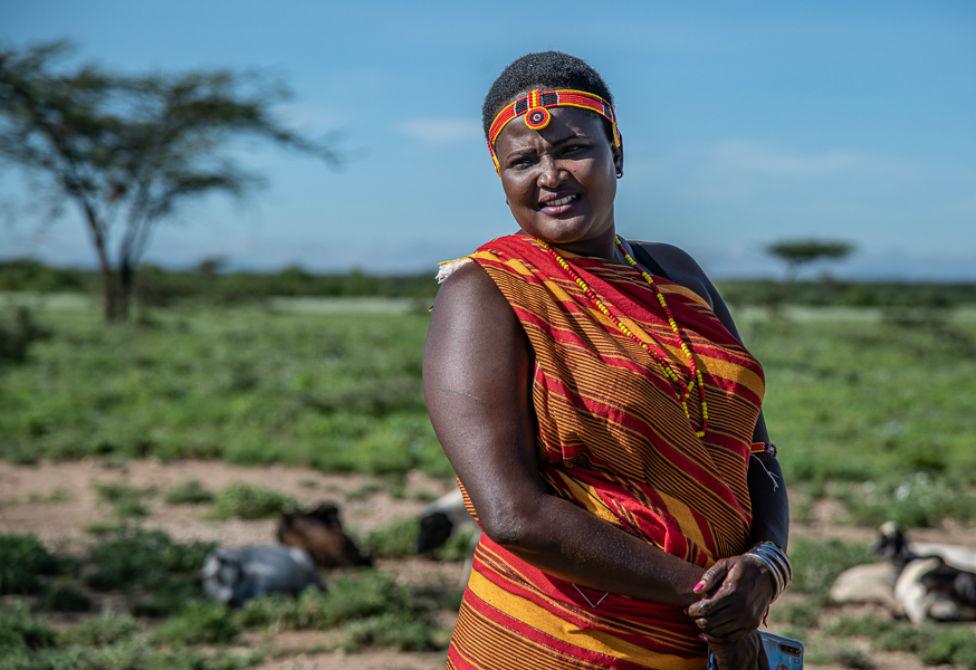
(673, 257)
(470, 307)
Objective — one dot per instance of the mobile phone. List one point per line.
(782, 653)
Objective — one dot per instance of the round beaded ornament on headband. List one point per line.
(534, 106)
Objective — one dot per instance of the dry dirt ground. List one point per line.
(56, 501)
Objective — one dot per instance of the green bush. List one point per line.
(400, 630)
(127, 501)
(107, 628)
(18, 331)
(20, 632)
(65, 597)
(199, 623)
(159, 575)
(247, 501)
(394, 540)
(23, 560)
(189, 492)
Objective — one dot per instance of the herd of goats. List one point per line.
(923, 581)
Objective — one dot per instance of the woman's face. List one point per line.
(560, 182)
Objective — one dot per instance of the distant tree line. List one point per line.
(159, 286)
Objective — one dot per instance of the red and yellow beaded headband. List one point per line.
(534, 106)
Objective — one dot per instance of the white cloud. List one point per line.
(442, 130)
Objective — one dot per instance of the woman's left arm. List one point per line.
(770, 507)
(735, 591)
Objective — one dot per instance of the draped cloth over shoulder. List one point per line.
(613, 440)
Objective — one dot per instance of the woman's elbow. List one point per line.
(512, 526)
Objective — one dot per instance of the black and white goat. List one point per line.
(443, 518)
(234, 575)
(935, 582)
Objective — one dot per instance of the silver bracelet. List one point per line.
(775, 560)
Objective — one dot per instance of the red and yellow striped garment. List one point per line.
(614, 440)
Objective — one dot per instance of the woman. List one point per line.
(600, 414)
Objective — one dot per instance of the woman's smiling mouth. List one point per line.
(556, 206)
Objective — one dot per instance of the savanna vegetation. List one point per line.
(870, 408)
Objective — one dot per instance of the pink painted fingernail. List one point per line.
(698, 587)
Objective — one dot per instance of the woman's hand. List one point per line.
(746, 654)
(736, 593)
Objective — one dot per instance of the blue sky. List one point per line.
(743, 123)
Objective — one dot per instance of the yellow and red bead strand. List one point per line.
(685, 347)
(681, 396)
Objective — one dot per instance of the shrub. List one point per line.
(159, 574)
(395, 540)
(66, 598)
(20, 631)
(246, 501)
(199, 623)
(17, 332)
(189, 492)
(107, 628)
(126, 501)
(23, 559)
(400, 630)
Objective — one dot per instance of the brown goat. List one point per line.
(319, 532)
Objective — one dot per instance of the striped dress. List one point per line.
(613, 439)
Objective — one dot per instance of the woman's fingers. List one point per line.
(712, 578)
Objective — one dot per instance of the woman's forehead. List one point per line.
(566, 122)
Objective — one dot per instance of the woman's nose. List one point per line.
(551, 173)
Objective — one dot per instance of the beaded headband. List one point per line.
(534, 106)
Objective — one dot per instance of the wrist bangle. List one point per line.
(770, 555)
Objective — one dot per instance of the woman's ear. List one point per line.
(618, 159)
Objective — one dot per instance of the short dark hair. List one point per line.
(544, 68)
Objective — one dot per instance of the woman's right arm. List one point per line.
(476, 384)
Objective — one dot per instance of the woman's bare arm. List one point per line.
(476, 384)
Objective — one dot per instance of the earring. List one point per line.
(620, 173)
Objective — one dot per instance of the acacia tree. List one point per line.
(796, 253)
(128, 150)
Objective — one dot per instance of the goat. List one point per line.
(319, 532)
(929, 585)
(443, 518)
(234, 575)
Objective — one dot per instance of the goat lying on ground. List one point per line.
(931, 580)
(319, 532)
(442, 518)
(234, 575)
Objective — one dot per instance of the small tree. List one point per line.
(796, 253)
(129, 150)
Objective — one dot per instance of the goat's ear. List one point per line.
(326, 511)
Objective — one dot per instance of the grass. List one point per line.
(817, 564)
(851, 398)
(188, 492)
(167, 623)
(934, 644)
(339, 392)
(127, 502)
(23, 561)
(247, 501)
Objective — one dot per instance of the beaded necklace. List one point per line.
(683, 391)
